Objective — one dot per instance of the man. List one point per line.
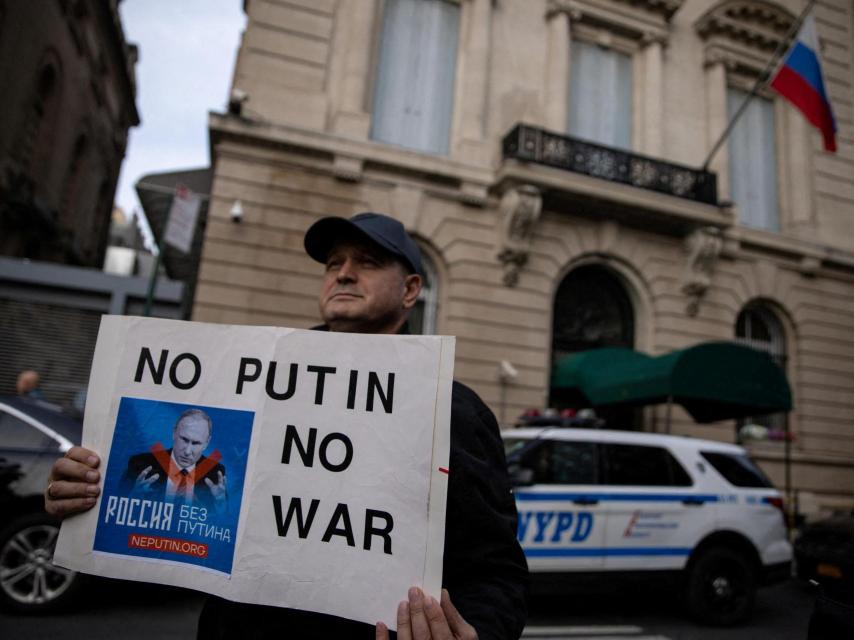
(27, 385)
(371, 284)
(181, 473)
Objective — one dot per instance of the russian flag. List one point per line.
(799, 80)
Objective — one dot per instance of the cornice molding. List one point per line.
(639, 20)
(758, 24)
(663, 8)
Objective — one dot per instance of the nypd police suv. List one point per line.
(614, 501)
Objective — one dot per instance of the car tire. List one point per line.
(29, 582)
(721, 587)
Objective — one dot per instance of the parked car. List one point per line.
(33, 434)
(637, 505)
(824, 552)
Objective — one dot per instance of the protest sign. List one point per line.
(291, 468)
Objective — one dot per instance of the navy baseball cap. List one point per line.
(380, 229)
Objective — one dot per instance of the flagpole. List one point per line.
(761, 81)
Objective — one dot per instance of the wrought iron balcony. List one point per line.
(532, 144)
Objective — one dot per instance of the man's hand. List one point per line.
(422, 618)
(218, 489)
(143, 481)
(73, 483)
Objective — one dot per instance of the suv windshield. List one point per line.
(738, 469)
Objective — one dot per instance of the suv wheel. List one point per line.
(29, 581)
(721, 587)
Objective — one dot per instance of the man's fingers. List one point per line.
(460, 628)
(382, 631)
(221, 478)
(455, 620)
(68, 506)
(68, 469)
(210, 484)
(151, 480)
(84, 456)
(61, 489)
(404, 623)
(72, 486)
(143, 474)
(417, 615)
(439, 628)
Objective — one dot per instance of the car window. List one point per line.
(738, 470)
(17, 434)
(627, 464)
(512, 446)
(562, 462)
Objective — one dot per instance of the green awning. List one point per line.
(712, 381)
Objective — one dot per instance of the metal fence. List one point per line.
(49, 319)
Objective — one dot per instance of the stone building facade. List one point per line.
(589, 225)
(68, 87)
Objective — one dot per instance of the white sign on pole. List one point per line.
(183, 215)
(291, 468)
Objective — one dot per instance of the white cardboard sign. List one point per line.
(301, 469)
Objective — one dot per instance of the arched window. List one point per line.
(34, 145)
(592, 310)
(422, 320)
(759, 327)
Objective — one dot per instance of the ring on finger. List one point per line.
(48, 490)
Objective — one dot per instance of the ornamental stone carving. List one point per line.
(755, 23)
(703, 247)
(520, 210)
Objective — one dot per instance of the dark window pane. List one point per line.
(574, 463)
(678, 476)
(739, 470)
(512, 446)
(642, 466)
(560, 462)
(592, 309)
(17, 434)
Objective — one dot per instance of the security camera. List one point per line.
(507, 371)
(236, 100)
(237, 212)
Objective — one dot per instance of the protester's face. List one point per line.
(365, 290)
(189, 440)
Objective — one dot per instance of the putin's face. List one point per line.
(189, 440)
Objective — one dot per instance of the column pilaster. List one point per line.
(556, 93)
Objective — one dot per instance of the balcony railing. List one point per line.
(532, 144)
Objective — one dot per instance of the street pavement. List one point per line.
(131, 611)
(781, 612)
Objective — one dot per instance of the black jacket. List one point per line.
(484, 569)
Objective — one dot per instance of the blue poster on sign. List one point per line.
(174, 483)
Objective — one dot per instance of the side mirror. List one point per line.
(520, 476)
